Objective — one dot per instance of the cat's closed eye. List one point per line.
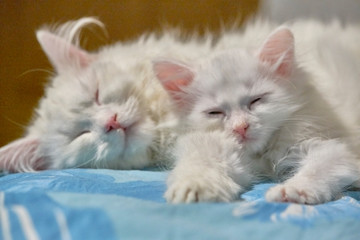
(256, 100)
(253, 102)
(81, 134)
(97, 97)
(216, 113)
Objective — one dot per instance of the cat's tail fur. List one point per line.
(71, 30)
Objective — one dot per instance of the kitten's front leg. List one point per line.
(205, 168)
(326, 169)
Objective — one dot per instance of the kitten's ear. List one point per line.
(21, 156)
(62, 54)
(278, 51)
(174, 77)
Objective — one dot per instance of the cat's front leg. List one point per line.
(325, 170)
(206, 163)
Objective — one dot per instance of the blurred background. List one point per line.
(24, 67)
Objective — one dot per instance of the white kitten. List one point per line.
(255, 113)
(104, 109)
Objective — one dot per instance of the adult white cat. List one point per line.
(266, 113)
(102, 110)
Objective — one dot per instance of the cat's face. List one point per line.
(236, 93)
(95, 117)
(249, 95)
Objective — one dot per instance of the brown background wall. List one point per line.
(24, 68)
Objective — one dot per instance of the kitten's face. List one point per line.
(96, 118)
(236, 93)
(94, 113)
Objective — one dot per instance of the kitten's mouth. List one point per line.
(121, 128)
(244, 139)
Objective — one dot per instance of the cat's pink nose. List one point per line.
(241, 129)
(112, 124)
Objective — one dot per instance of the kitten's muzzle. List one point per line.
(113, 124)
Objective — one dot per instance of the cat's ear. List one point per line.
(62, 54)
(21, 156)
(278, 51)
(175, 78)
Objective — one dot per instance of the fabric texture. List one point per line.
(109, 204)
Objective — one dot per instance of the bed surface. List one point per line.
(109, 204)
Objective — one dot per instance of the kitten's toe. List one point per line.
(275, 194)
(180, 193)
(289, 193)
(199, 190)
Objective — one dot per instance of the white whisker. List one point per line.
(15, 123)
(36, 70)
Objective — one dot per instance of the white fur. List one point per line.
(304, 130)
(69, 128)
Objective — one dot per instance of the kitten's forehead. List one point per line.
(230, 73)
(113, 77)
(233, 60)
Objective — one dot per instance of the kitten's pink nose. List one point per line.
(241, 129)
(112, 124)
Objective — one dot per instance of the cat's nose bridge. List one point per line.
(239, 118)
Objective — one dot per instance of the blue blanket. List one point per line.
(108, 204)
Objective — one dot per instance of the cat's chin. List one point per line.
(116, 134)
(247, 144)
(245, 140)
(250, 145)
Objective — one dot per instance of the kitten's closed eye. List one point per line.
(81, 134)
(253, 102)
(97, 97)
(256, 100)
(216, 113)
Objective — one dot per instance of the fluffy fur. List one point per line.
(101, 109)
(278, 104)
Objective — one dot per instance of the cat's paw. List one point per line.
(294, 194)
(198, 189)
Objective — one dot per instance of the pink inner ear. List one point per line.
(278, 51)
(21, 156)
(82, 57)
(176, 84)
(173, 76)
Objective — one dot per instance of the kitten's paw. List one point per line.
(294, 194)
(193, 190)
